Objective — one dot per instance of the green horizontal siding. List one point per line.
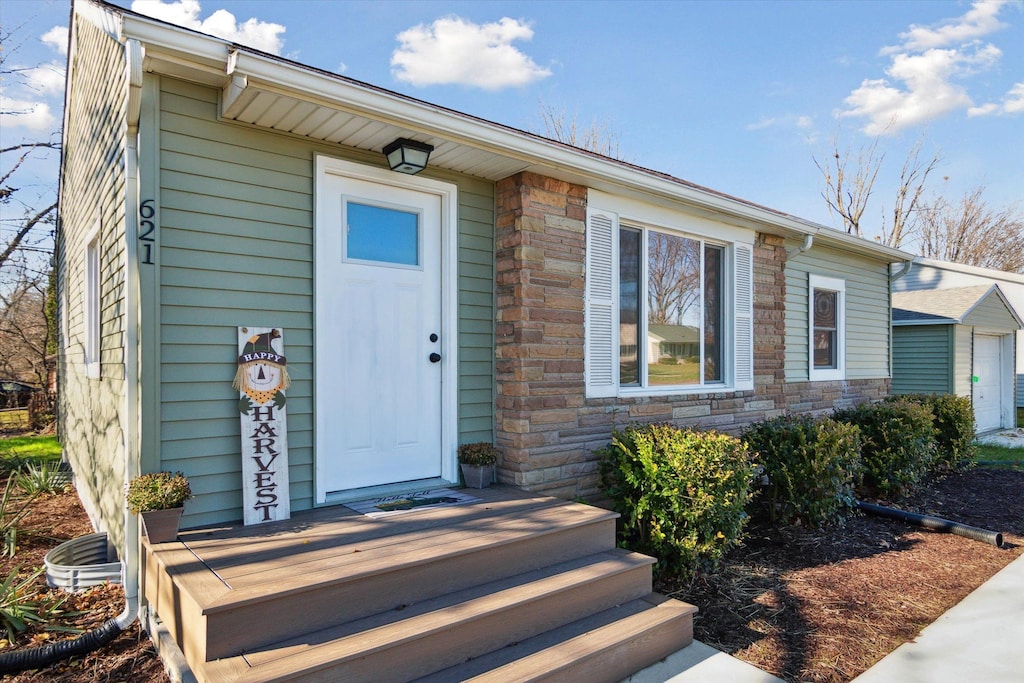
(867, 312)
(236, 248)
(991, 315)
(922, 357)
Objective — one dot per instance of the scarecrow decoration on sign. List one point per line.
(262, 372)
(262, 379)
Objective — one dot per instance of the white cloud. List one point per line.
(57, 39)
(456, 51)
(1014, 101)
(261, 35)
(35, 116)
(983, 110)
(46, 79)
(979, 21)
(927, 71)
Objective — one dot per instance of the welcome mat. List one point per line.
(388, 506)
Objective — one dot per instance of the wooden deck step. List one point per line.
(388, 571)
(603, 648)
(433, 635)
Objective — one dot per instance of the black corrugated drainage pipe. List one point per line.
(39, 657)
(934, 523)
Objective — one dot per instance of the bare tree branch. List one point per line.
(849, 185)
(597, 137)
(23, 231)
(970, 232)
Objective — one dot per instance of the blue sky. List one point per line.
(736, 96)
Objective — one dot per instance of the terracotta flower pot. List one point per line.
(477, 476)
(161, 526)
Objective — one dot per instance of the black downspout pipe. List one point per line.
(934, 523)
(39, 657)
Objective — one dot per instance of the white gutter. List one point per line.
(131, 565)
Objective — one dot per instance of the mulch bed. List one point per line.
(56, 518)
(825, 604)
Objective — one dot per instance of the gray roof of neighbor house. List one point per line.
(276, 93)
(674, 334)
(942, 306)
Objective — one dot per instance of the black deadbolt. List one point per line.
(433, 337)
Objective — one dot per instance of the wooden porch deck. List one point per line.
(513, 587)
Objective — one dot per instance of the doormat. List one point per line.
(388, 506)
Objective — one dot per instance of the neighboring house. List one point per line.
(936, 280)
(15, 394)
(497, 296)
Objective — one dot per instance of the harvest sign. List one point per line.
(261, 380)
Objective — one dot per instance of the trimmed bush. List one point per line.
(811, 466)
(897, 443)
(954, 429)
(682, 494)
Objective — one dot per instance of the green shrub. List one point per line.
(954, 429)
(897, 443)
(681, 493)
(811, 466)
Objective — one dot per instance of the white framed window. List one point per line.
(826, 326)
(91, 305)
(669, 304)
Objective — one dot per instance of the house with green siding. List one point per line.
(955, 331)
(218, 202)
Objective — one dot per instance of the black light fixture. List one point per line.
(407, 156)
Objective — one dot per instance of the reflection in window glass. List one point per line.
(713, 314)
(629, 306)
(674, 310)
(380, 234)
(825, 328)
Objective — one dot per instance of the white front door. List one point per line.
(988, 382)
(378, 339)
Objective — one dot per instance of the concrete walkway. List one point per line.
(979, 639)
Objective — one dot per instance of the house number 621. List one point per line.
(146, 213)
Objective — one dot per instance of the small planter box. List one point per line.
(161, 526)
(477, 476)
(82, 562)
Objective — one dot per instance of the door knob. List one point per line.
(434, 357)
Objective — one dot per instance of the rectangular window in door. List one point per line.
(382, 234)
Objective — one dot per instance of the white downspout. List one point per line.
(808, 241)
(130, 566)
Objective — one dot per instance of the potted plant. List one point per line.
(477, 461)
(159, 497)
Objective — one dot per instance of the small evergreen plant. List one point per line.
(157, 491)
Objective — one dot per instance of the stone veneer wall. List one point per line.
(545, 427)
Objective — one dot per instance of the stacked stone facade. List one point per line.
(545, 426)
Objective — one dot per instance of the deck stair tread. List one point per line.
(594, 649)
(292, 573)
(304, 569)
(491, 601)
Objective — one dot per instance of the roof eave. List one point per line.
(180, 52)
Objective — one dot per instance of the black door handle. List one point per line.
(434, 357)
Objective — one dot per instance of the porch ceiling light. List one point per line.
(407, 156)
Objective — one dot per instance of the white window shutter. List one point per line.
(743, 317)
(599, 364)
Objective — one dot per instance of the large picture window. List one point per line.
(670, 309)
(669, 302)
